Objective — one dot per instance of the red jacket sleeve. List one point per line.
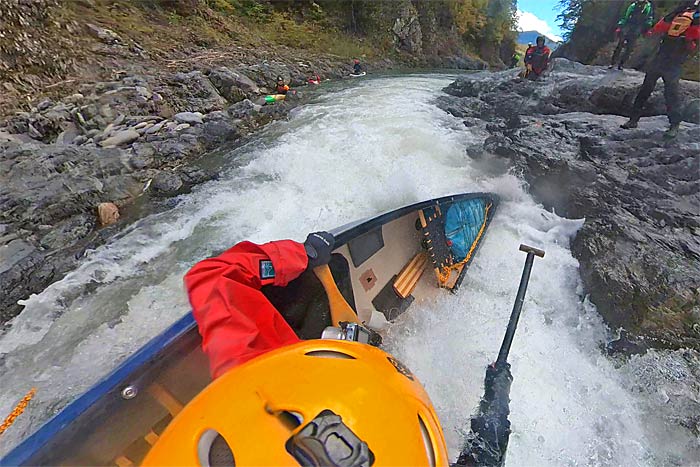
(236, 321)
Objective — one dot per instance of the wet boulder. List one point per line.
(232, 85)
(639, 248)
(166, 184)
(193, 92)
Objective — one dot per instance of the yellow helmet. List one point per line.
(318, 402)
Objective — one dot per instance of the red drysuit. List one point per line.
(236, 321)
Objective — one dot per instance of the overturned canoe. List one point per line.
(380, 266)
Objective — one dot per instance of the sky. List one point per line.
(540, 15)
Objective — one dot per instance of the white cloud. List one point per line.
(529, 22)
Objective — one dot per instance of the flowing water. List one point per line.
(375, 146)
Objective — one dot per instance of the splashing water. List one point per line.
(349, 155)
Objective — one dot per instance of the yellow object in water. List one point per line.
(317, 398)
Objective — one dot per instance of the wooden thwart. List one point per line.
(166, 399)
(408, 278)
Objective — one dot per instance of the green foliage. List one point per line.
(484, 24)
(283, 29)
(253, 9)
(449, 27)
(570, 13)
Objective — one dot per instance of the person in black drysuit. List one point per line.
(637, 20)
(357, 68)
(681, 33)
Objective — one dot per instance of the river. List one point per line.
(373, 146)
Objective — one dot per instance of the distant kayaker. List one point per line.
(536, 59)
(281, 87)
(295, 380)
(357, 67)
(314, 79)
(637, 20)
(681, 33)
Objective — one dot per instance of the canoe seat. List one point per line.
(409, 276)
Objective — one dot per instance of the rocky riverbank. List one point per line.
(639, 248)
(69, 165)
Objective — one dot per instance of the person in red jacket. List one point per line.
(681, 33)
(236, 321)
(238, 324)
(537, 59)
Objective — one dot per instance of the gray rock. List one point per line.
(166, 184)
(639, 249)
(182, 126)
(193, 118)
(81, 139)
(571, 87)
(142, 131)
(13, 252)
(462, 63)
(194, 92)
(156, 128)
(76, 98)
(692, 111)
(120, 139)
(13, 138)
(232, 85)
(67, 232)
(241, 110)
(138, 126)
(218, 132)
(44, 105)
(407, 31)
(105, 35)
(69, 133)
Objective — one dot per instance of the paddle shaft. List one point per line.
(518, 305)
(340, 310)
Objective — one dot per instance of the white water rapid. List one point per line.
(353, 153)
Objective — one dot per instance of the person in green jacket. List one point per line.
(515, 59)
(637, 20)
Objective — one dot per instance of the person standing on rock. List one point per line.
(681, 33)
(536, 59)
(637, 20)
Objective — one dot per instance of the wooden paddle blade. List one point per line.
(340, 310)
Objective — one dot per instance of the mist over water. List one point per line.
(351, 154)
